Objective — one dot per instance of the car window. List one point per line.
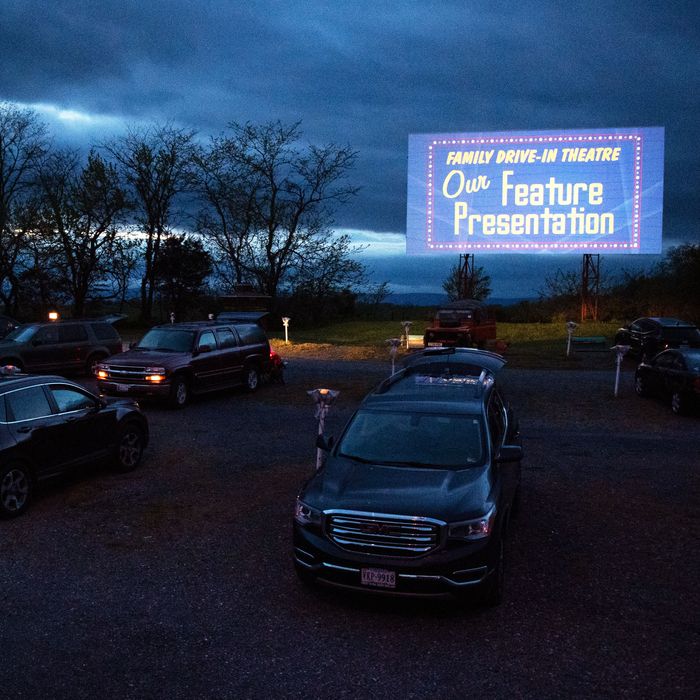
(47, 335)
(26, 404)
(207, 338)
(412, 439)
(226, 338)
(69, 399)
(167, 340)
(251, 333)
(665, 359)
(22, 334)
(103, 331)
(72, 333)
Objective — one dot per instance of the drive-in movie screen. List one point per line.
(571, 191)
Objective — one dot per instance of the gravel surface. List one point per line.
(176, 581)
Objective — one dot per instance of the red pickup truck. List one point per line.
(463, 323)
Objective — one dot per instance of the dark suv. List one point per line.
(649, 335)
(60, 346)
(416, 496)
(50, 425)
(176, 360)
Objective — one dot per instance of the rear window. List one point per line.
(72, 333)
(682, 333)
(251, 334)
(26, 404)
(103, 331)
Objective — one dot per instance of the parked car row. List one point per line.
(50, 425)
(415, 497)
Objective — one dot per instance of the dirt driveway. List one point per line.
(176, 581)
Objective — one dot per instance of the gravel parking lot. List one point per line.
(176, 581)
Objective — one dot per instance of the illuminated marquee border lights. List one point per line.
(637, 138)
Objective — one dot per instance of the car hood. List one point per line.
(139, 358)
(436, 493)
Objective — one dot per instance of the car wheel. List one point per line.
(679, 403)
(15, 490)
(640, 386)
(179, 392)
(252, 378)
(129, 447)
(91, 364)
(492, 590)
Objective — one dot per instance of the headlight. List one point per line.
(306, 515)
(155, 374)
(476, 529)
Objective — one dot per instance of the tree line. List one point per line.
(252, 206)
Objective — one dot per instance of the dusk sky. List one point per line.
(368, 74)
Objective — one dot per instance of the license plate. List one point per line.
(434, 345)
(123, 388)
(378, 577)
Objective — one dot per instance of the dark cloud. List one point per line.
(369, 72)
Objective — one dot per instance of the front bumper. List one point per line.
(451, 570)
(143, 389)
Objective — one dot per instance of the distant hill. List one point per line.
(430, 299)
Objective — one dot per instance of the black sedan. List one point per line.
(672, 374)
(50, 425)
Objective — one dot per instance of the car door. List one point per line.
(231, 355)
(39, 354)
(37, 431)
(89, 428)
(661, 376)
(503, 433)
(206, 362)
(73, 346)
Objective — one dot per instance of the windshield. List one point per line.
(167, 340)
(21, 334)
(442, 441)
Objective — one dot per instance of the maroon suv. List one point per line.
(177, 360)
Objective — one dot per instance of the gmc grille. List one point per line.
(392, 535)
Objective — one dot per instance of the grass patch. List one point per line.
(534, 345)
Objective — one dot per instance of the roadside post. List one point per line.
(621, 351)
(406, 330)
(172, 317)
(323, 398)
(571, 326)
(285, 323)
(394, 344)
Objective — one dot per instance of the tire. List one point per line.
(15, 490)
(679, 403)
(179, 392)
(252, 378)
(91, 364)
(640, 386)
(129, 447)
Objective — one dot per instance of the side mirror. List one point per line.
(509, 453)
(204, 348)
(37, 342)
(132, 344)
(325, 443)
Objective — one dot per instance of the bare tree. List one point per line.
(281, 201)
(227, 217)
(155, 162)
(23, 146)
(126, 253)
(480, 284)
(80, 213)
